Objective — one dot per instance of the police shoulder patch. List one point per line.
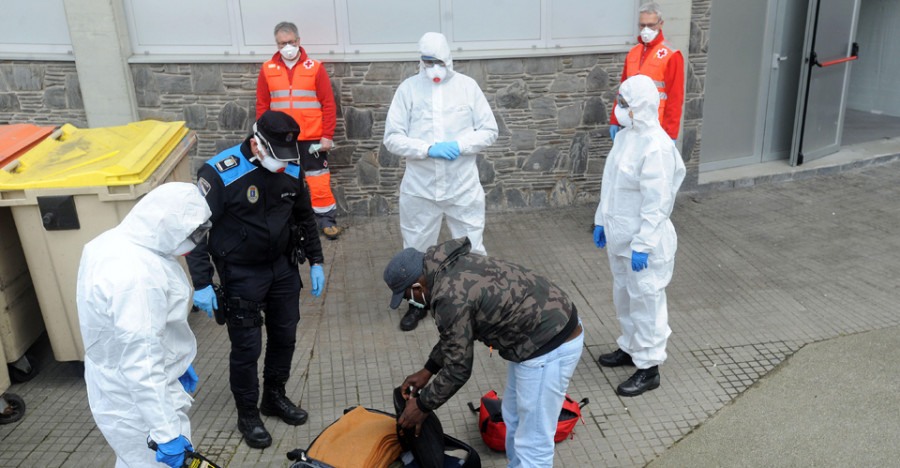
(226, 164)
(203, 185)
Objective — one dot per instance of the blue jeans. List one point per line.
(535, 391)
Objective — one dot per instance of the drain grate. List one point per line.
(736, 368)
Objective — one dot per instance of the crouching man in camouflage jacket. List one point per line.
(517, 312)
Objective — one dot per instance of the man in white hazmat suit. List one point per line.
(640, 180)
(439, 120)
(133, 299)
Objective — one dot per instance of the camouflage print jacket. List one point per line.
(503, 305)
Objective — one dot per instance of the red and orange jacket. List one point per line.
(304, 92)
(665, 66)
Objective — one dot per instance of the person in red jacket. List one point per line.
(656, 58)
(297, 85)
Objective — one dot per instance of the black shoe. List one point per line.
(615, 359)
(412, 317)
(274, 403)
(643, 380)
(255, 434)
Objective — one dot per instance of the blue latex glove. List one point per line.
(189, 379)
(613, 129)
(448, 150)
(206, 299)
(172, 452)
(638, 260)
(317, 275)
(599, 237)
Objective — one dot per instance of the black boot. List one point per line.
(275, 403)
(643, 380)
(615, 359)
(255, 434)
(411, 320)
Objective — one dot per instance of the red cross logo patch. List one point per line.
(662, 53)
(308, 64)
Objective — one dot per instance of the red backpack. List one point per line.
(493, 429)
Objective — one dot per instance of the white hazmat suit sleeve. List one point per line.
(397, 137)
(133, 298)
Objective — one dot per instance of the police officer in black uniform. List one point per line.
(256, 193)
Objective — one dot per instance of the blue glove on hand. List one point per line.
(599, 237)
(448, 150)
(613, 129)
(172, 452)
(638, 260)
(317, 275)
(206, 299)
(189, 379)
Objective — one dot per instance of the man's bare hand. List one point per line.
(412, 416)
(414, 383)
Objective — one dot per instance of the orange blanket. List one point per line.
(360, 438)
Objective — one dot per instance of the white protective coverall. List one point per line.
(640, 180)
(133, 299)
(421, 114)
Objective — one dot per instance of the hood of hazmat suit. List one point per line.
(642, 175)
(133, 298)
(423, 113)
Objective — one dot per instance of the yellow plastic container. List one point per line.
(67, 190)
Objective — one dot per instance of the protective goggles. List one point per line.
(199, 235)
(620, 101)
(431, 61)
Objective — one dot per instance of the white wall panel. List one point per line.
(34, 26)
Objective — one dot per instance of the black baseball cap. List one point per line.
(402, 272)
(278, 132)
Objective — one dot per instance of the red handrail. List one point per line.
(835, 62)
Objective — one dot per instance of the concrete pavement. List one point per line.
(789, 290)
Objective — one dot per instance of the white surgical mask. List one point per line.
(289, 51)
(647, 34)
(184, 247)
(437, 73)
(622, 116)
(267, 161)
(412, 300)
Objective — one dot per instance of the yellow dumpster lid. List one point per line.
(107, 156)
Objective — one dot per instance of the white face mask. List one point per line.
(184, 247)
(622, 116)
(437, 73)
(267, 161)
(289, 51)
(412, 300)
(647, 34)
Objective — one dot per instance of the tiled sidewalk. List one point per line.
(760, 272)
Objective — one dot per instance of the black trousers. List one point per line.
(278, 285)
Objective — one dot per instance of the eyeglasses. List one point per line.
(620, 101)
(647, 25)
(430, 62)
(199, 234)
(281, 44)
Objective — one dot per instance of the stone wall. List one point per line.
(695, 79)
(41, 93)
(552, 112)
(553, 116)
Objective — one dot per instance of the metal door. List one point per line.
(785, 61)
(829, 50)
